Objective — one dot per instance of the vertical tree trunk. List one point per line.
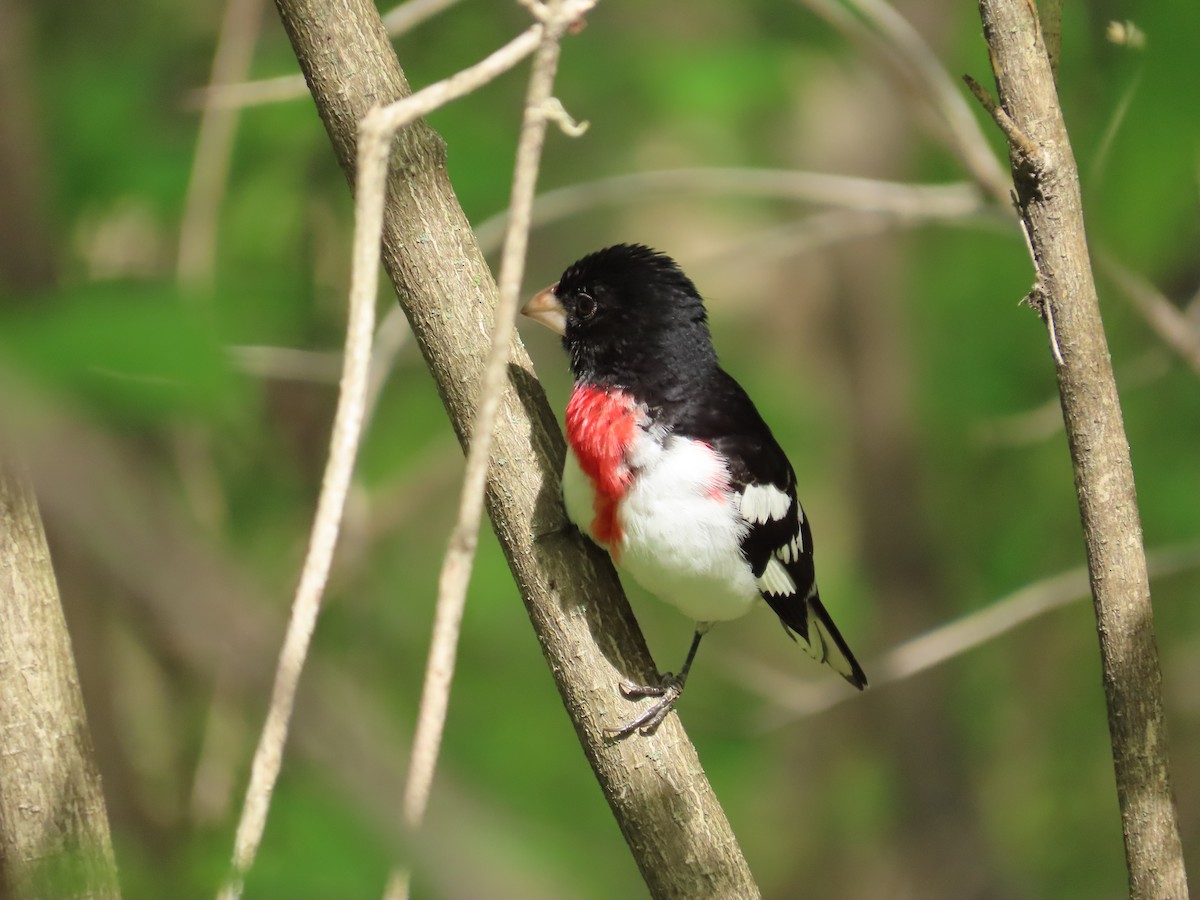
(54, 840)
(1048, 200)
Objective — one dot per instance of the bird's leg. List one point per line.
(667, 691)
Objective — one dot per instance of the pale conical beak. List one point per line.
(545, 308)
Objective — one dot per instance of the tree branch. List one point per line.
(54, 838)
(1048, 200)
(666, 809)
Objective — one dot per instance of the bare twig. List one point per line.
(1169, 322)
(214, 146)
(382, 123)
(347, 429)
(798, 698)
(557, 16)
(377, 129)
(1045, 421)
(1100, 161)
(238, 95)
(209, 618)
(325, 366)
(966, 137)
(198, 228)
(1049, 203)
(390, 340)
(408, 16)
(864, 194)
(286, 363)
(888, 38)
(1014, 134)
(828, 228)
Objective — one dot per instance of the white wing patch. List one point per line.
(775, 579)
(790, 552)
(762, 503)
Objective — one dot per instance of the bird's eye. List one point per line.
(585, 306)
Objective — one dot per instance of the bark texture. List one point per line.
(1048, 199)
(665, 807)
(54, 839)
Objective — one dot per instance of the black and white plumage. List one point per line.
(671, 468)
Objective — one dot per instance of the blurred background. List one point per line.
(173, 272)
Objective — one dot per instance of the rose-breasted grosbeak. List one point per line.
(671, 468)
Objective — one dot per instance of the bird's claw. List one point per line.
(667, 691)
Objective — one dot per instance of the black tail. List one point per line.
(823, 641)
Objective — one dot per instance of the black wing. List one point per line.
(778, 545)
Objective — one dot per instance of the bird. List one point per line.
(671, 468)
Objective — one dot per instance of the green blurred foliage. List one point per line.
(838, 804)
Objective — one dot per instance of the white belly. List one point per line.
(676, 539)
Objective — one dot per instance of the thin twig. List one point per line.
(1169, 322)
(198, 231)
(375, 136)
(889, 39)
(408, 16)
(347, 429)
(324, 366)
(383, 122)
(214, 145)
(1014, 134)
(966, 137)
(557, 16)
(799, 698)
(1108, 138)
(390, 340)
(866, 194)
(827, 228)
(238, 95)
(1043, 422)
(286, 363)
(260, 92)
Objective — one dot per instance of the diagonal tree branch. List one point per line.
(665, 807)
(1048, 200)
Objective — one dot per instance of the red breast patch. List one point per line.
(600, 428)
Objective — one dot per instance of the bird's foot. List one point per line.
(667, 691)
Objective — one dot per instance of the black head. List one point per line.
(629, 317)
